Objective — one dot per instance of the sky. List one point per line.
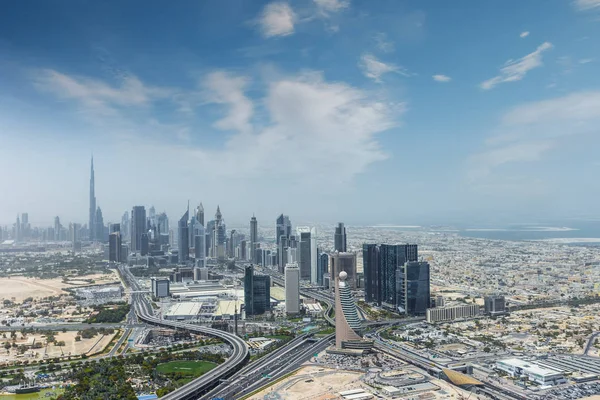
(368, 112)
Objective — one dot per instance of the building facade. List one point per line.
(339, 238)
(257, 292)
(138, 226)
(292, 289)
(441, 314)
(345, 262)
(413, 288)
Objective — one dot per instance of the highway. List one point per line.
(197, 387)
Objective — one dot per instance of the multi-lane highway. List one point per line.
(193, 390)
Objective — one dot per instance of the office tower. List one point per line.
(199, 243)
(243, 250)
(292, 289)
(494, 305)
(231, 243)
(115, 228)
(253, 237)
(138, 226)
(99, 226)
(344, 262)
(57, 228)
(114, 247)
(257, 292)
(323, 267)
(144, 244)
(25, 227)
(283, 227)
(183, 238)
(339, 238)
(282, 253)
(307, 253)
(371, 273)
(347, 324)
(413, 288)
(17, 235)
(160, 287)
(152, 215)
(92, 221)
(125, 227)
(200, 214)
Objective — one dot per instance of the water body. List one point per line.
(566, 231)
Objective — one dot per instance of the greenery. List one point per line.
(192, 368)
(110, 313)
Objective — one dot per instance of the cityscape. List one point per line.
(299, 200)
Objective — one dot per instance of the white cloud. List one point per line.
(586, 60)
(330, 6)
(382, 42)
(375, 69)
(96, 95)
(224, 88)
(441, 78)
(524, 34)
(516, 70)
(277, 19)
(584, 5)
(530, 130)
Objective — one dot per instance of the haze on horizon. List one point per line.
(388, 112)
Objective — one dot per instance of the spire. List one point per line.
(201, 207)
(218, 215)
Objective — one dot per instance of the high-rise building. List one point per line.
(348, 326)
(339, 238)
(57, 228)
(380, 264)
(199, 243)
(292, 289)
(145, 244)
(17, 235)
(114, 247)
(125, 227)
(200, 214)
(257, 292)
(283, 227)
(307, 253)
(282, 253)
(253, 237)
(494, 305)
(138, 226)
(99, 226)
(152, 216)
(323, 267)
(183, 238)
(25, 227)
(115, 228)
(92, 221)
(345, 262)
(160, 287)
(413, 288)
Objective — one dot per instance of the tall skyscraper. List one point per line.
(292, 289)
(114, 247)
(125, 227)
(413, 288)
(323, 267)
(344, 262)
(138, 226)
(339, 238)
(282, 253)
(199, 243)
(307, 253)
(200, 213)
(152, 215)
(283, 227)
(163, 223)
(348, 326)
(17, 235)
(57, 228)
(257, 292)
(99, 226)
(253, 237)
(92, 221)
(380, 266)
(183, 238)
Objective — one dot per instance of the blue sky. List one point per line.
(364, 111)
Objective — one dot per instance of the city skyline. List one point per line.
(337, 94)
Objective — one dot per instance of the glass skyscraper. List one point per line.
(257, 292)
(413, 288)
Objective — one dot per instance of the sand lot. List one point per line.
(20, 287)
(71, 347)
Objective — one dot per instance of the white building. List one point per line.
(519, 368)
(292, 288)
(440, 314)
(160, 287)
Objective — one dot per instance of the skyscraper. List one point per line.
(183, 238)
(347, 324)
(339, 238)
(323, 267)
(125, 227)
(380, 265)
(138, 226)
(99, 226)
(257, 292)
(200, 213)
(253, 237)
(114, 247)
(92, 221)
(283, 227)
(163, 223)
(199, 243)
(413, 288)
(292, 289)
(57, 228)
(18, 230)
(344, 262)
(282, 253)
(307, 253)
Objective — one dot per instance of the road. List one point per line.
(78, 326)
(197, 387)
(590, 342)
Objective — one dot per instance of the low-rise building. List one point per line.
(542, 375)
(440, 314)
